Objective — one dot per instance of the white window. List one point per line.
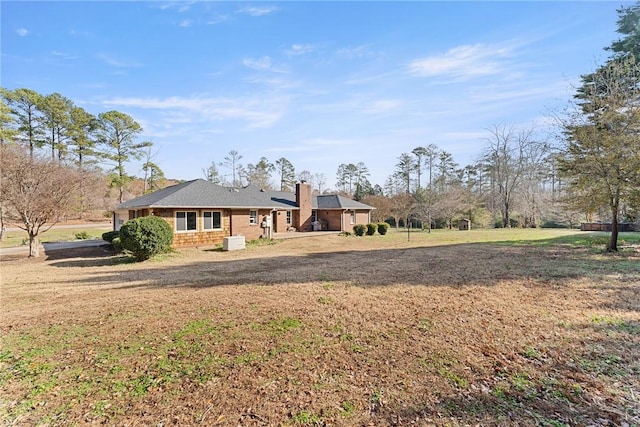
(353, 217)
(186, 221)
(211, 220)
(253, 217)
(288, 217)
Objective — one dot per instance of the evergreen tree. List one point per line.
(24, 105)
(286, 174)
(117, 133)
(602, 159)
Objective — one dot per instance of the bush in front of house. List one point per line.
(146, 236)
(117, 244)
(82, 235)
(383, 227)
(110, 235)
(372, 227)
(359, 229)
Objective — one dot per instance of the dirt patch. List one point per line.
(324, 331)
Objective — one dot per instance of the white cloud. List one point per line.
(356, 52)
(259, 112)
(365, 79)
(217, 19)
(257, 10)
(22, 32)
(263, 64)
(463, 62)
(117, 62)
(185, 23)
(78, 33)
(300, 49)
(383, 106)
(180, 6)
(310, 144)
(275, 82)
(63, 55)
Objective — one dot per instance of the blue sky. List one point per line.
(320, 83)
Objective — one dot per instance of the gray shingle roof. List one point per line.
(204, 194)
(334, 201)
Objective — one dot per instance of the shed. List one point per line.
(464, 224)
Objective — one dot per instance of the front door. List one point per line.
(274, 221)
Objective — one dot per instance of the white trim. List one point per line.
(256, 221)
(186, 222)
(212, 212)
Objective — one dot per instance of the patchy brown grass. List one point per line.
(447, 329)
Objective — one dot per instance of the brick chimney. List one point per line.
(303, 201)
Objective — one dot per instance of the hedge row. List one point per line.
(370, 229)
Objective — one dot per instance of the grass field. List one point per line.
(487, 327)
(20, 237)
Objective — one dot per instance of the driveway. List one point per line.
(54, 246)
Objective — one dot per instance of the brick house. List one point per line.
(203, 213)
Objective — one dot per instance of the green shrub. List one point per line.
(81, 235)
(359, 229)
(345, 233)
(372, 227)
(110, 235)
(117, 244)
(146, 236)
(383, 227)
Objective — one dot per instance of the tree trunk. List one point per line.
(3, 229)
(612, 246)
(506, 222)
(34, 246)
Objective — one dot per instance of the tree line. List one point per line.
(279, 175)
(522, 178)
(58, 159)
(592, 170)
(73, 137)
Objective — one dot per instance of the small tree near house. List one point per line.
(146, 236)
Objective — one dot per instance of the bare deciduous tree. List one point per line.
(383, 205)
(35, 192)
(320, 182)
(403, 206)
(506, 157)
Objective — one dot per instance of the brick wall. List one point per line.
(280, 221)
(330, 220)
(240, 223)
(362, 217)
(234, 222)
(333, 220)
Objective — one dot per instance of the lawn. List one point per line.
(488, 327)
(20, 237)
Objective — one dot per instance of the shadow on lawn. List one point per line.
(473, 264)
(94, 256)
